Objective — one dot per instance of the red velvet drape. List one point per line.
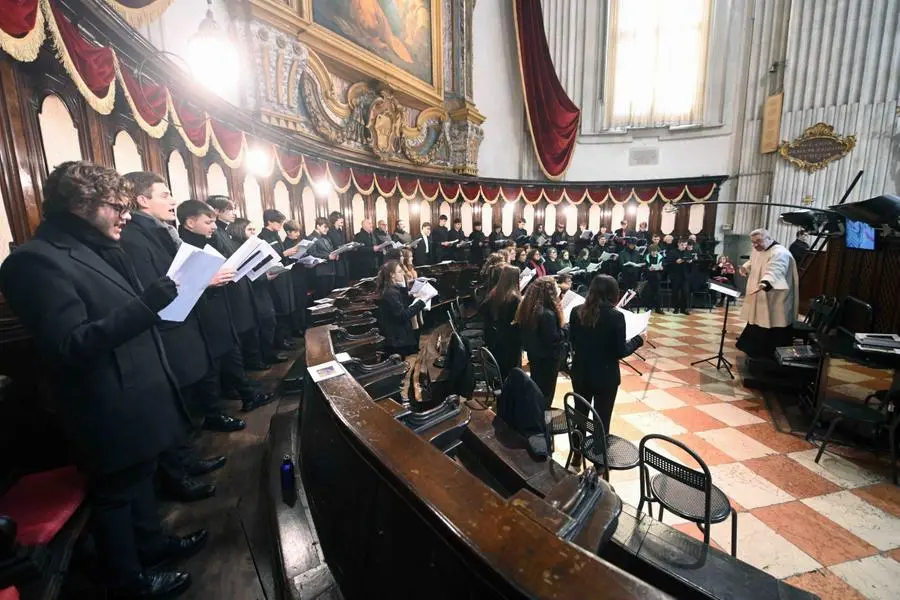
(95, 64)
(150, 99)
(17, 17)
(552, 116)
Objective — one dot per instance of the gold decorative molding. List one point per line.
(816, 148)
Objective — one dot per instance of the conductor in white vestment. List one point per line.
(770, 306)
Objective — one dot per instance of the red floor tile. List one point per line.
(885, 496)
(692, 395)
(791, 476)
(766, 434)
(820, 537)
(709, 453)
(692, 376)
(693, 419)
(826, 585)
(755, 407)
(632, 383)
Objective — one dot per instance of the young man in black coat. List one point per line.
(151, 244)
(457, 235)
(197, 226)
(423, 253)
(322, 248)
(440, 235)
(76, 293)
(519, 232)
(282, 288)
(366, 258)
(338, 238)
(479, 244)
(678, 263)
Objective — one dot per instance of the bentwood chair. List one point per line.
(688, 493)
(493, 379)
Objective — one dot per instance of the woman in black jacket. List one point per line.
(597, 333)
(540, 320)
(501, 334)
(396, 310)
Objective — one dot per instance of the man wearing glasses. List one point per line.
(75, 291)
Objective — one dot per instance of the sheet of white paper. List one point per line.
(269, 257)
(237, 260)
(326, 371)
(524, 277)
(342, 357)
(593, 267)
(569, 301)
(194, 272)
(310, 261)
(324, 301)
(724, 289)
(635, 323)
(425, 292)
(606, 256)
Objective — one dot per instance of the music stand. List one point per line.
(720, 359)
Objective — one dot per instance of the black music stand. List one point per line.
(720, 359)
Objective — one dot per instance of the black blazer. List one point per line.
(321, 248)
(421, 256)
(117, 398)
(151, 250)
(502, 336)
(394, 317)
(544, 342)
(596, 350)
(365, 258)
(240, 294)
(282, 288)
(338, 238)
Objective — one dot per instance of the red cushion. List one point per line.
(9, 593)
(41, 503)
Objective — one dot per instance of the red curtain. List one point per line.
(231, 141)
(552, 116)
(148, 99)
(95, 64)
(17, 17)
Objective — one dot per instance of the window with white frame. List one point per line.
(656, 75)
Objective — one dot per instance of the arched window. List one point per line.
(667, 225)
(253, 202)
(359, 211)
(465, 215)
(528, 215)
(308, 204)
(550, 219)
(381, 212)
(282, 198)
(179, 182)
(125, 154)
(58, 133)
(487, 218)
(618, 214)
(695, 217)
(506, 220)
(334, 202)
(446, 211)
(571, 219)
(216, 183)
(403, 212)
(594, 214)
(643, 215)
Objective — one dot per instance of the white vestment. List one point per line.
(778, 306)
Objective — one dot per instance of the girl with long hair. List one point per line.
(406, 262)
(552, 262)
(493, 259)
(536, 262)
(521, 258)
(396, 308)
(501, 334)
(597, 334)
(565, 261)
(540, 321)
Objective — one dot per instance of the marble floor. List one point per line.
(832, 528)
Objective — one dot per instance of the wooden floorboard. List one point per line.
(237, 561)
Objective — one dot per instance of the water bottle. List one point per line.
(287, 474)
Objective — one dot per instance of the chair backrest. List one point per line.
(582, 421)
(461, 376)
(648, 457)
(491, 369)
(855, 316)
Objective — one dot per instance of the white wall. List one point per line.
(497, 89)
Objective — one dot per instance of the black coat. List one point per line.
(596, 350)
(544, 342)
(421, 256)
(439, 235)
(365, 258)
(338, 239)
(240, 294)
(395, 313)
(501, 335)
(213, 309)
(151, 250)
(282, 287)
(321, 248)
(678, 271)
(117, 398)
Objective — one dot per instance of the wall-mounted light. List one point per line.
(632, 209)
(212, 56)
(322, 188)
(259, 162)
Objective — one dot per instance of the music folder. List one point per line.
(724, 289)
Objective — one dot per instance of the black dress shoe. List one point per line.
(223, 423)
(257, 401)
(285, 345)
(206, 465)
(188, 489)
(179, 548)
(256, 367)
(165, 584)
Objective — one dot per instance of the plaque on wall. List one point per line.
(771, 123)
(816, 147)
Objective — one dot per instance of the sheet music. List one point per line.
(593, 267)
(347, 247)
(635, 323)
(724, 289)
(192, 269)
(607, 256)
(269, 257)
(248, 256)
(383, 245)
(524, 277)
(569, 301)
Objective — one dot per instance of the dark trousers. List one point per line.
(544, 372)
(230, 375)
(681, 293)
(202, 398)
(266, 334)
(124, 520)
(250, 347)
(173, 461)
(324, 285)
(650, 296)
(628, 279)
(602, 397)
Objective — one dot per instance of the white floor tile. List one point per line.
(654, 422)
(661, 400)
(857, 516)
(836, 469)
(730, 415)
(746, 487)
(760, 546)
(875, 577)
(735, 443)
